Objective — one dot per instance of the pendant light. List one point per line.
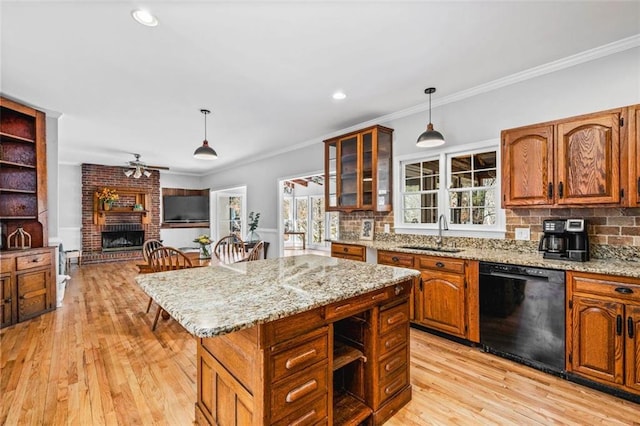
(205, 152)
(431, 137)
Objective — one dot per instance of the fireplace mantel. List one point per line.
(129, 198)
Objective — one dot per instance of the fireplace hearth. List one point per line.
(122, 237)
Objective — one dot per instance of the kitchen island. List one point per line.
(296, 340)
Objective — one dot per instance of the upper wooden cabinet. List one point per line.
(572, 162)
(23, 172)
(358, 171)
(634, 155)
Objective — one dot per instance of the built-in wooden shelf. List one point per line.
(18, 217)
(15, 138)
(344, 354)
(349, 410)
(17, 191)
(5, 163)
(170, 225)
(137, 196)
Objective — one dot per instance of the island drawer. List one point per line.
(393, 384)
(392, 363)
(357, 304)
(394, 317)
(314, 413)
(395, 259)
(33, 261)
(441, 263)
(308, 350)
(297, 392)
(393, 339)
(621, 288)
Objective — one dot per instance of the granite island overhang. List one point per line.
(302, 338)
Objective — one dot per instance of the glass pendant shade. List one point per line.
(430, 137)
(205, 152)
(128, 172)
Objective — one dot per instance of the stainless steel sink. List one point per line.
(427, 248)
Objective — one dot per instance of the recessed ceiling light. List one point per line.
(144, 17)
(338, 96)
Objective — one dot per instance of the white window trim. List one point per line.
(455, 230)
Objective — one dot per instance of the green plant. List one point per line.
(253, 221)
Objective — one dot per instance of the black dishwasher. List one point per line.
(522, 315)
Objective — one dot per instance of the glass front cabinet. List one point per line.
(358, 171)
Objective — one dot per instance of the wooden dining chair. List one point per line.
(149, 246)
(255, 253)
(167, 259)
(230, 249)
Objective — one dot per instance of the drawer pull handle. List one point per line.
(342, 307)
(619, 325)
(630, 327)
(393, 319)
(440, 264)
(36, 260)
(300, 359)
(303, 420)
(392, 341)
(394, 386)
(378, 296)
(624, 290)
(393, 364)
(398, 289)
(302, 391)
(395, 259)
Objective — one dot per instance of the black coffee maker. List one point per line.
(565, 240)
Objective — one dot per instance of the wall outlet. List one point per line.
(523, 234)
(386, 228)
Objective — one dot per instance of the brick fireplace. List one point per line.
(119, 231)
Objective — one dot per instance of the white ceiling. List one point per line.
(266, 69)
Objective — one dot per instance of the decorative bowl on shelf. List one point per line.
(138, 208)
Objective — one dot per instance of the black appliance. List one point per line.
(522, 315)
(565, 240)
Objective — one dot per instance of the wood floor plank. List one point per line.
(95, 361)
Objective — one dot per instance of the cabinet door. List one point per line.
(330, 170)
(383, 177)
(348, 173)
(7, 301)
(634, 160)
(588, 163)
(34, 295)
(598, 339)
(632, 346)
(442, 302)
(527, 166)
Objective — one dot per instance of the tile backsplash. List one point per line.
(613, 232)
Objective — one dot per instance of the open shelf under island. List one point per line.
(295, 340)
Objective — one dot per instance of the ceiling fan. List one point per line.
(138, 168)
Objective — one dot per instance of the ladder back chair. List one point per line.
(255, 253)
(166, 259)
(149, 246)
(230, 249)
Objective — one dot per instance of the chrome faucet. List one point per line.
(442, 219)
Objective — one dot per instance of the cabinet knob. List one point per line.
(345, 249)
(395, 258)
(36, 260)
(7, 300)
(440, 265)
(399, 289)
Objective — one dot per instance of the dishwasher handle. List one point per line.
(505, 275)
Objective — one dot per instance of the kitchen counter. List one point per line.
(626, 268)
(211, 301)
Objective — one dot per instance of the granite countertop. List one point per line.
(215, 300)
(626, 268)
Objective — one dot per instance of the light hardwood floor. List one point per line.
(95, 361)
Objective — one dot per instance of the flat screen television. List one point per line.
(185, 208)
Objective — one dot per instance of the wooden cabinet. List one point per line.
(603, 317)
(572, 162)
(23, 172)
(27, 284)
(344, 363)
(634, 155)
(358, 171)
(445, 296)
(349, 251)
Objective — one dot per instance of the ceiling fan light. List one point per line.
(147, 173)
(430, 138)
(137, 173)
(205, 152)
(128, 172)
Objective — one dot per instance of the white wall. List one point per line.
(601, 84)
(69, 205)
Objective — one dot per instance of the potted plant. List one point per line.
(205, 242)
(107, 196)
(253, 236)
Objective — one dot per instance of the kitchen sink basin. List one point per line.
(440, 249)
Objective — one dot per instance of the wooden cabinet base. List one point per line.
(294, 371)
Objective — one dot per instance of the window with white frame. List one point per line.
(461, 185)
